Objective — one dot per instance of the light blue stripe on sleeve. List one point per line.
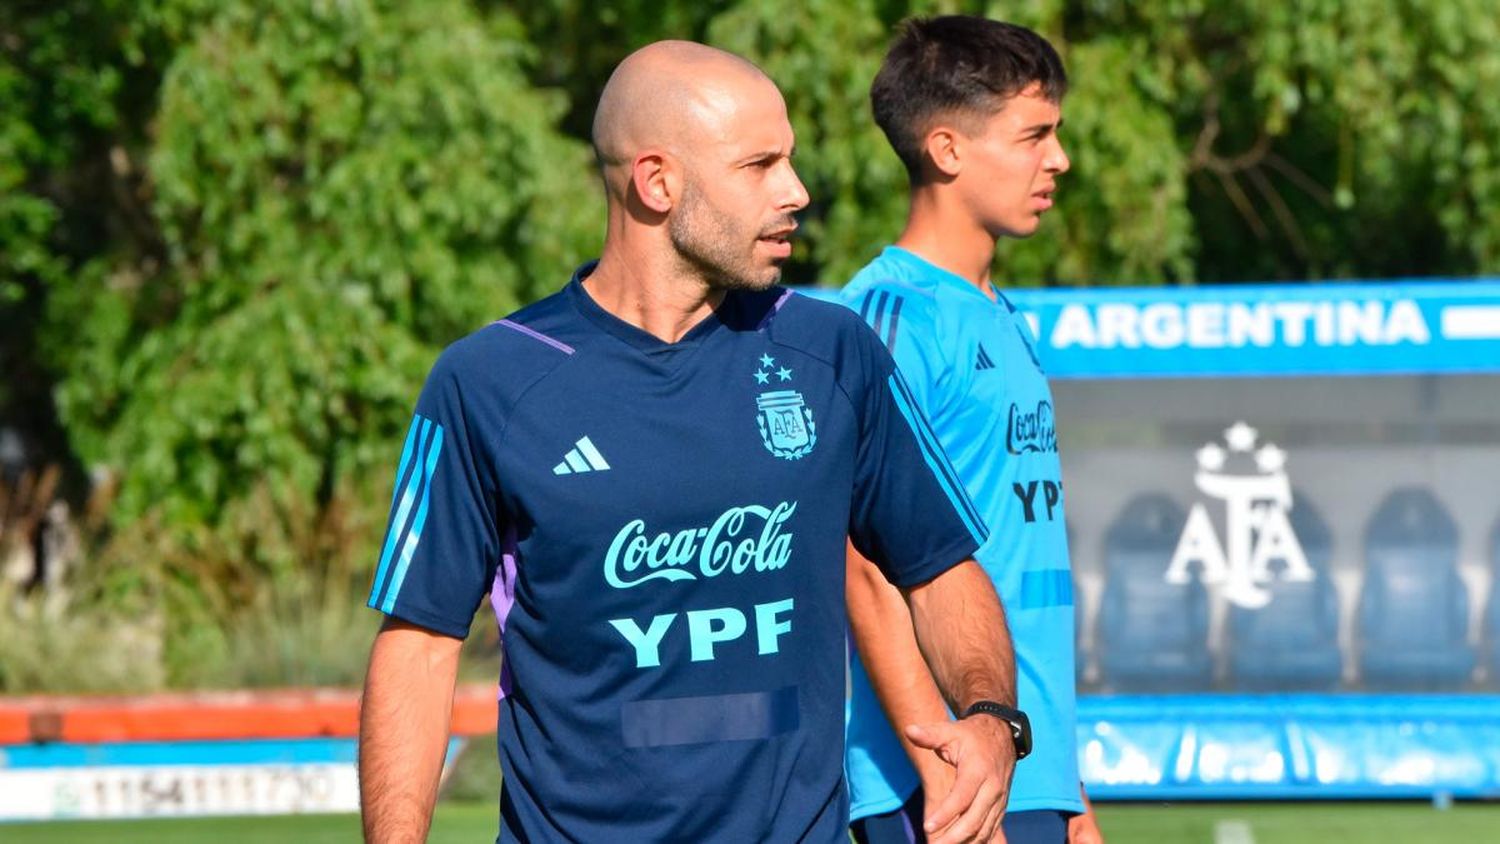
(909, 413)
(415, 536)
(411, 442)
(398, 521)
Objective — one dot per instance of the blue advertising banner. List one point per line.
(1237, 747)
(1304, 329)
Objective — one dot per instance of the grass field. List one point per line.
(1299, 823)
(1216, 823)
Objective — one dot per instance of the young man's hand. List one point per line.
(1084, 828)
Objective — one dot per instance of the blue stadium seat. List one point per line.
(1152, 635)
(1414, 609)
(1492, 615)
(1293, 641)
(1080, 618)
(1080, 632)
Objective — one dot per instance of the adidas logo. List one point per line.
(583, 458)
(983, 361)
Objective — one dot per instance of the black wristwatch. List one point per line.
(1020, 725)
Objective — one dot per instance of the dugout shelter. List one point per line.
(1284, 514)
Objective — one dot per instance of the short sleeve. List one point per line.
(441, 545)
(910, 513)
(905, 321)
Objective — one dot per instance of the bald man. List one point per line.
(651, 474)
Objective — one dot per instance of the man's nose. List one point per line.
(795, 197)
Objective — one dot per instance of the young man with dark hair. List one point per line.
(972, 107)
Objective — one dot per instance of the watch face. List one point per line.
(1020, 727)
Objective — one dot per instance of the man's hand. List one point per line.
(983, 755)
(960, 629)
(957, 630)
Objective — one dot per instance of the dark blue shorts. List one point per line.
(904, 826)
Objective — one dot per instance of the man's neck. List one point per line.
(947, 237)
(659, 297)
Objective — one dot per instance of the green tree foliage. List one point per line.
(56, 84)
(61, 85)
(1316, 139)
(341, 189)
(25, 219)
(581, 41)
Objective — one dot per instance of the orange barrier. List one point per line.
(290, 713)
(15, 726)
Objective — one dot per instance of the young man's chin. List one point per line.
(1021, 231)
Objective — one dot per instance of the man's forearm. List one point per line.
(881, 626)
(960, 627)
(403, 730)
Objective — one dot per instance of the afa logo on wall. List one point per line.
(1250, 479)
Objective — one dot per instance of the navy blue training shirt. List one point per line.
(660, 528)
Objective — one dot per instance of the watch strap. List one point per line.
(1020, 725)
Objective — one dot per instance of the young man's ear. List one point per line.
(944, 150)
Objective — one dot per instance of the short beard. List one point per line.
(704, 238)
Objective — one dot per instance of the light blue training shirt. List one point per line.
(971, 365)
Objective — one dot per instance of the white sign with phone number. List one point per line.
(176, 790)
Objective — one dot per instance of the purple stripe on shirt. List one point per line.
(535, 335)
(502, 598)
(774, 308)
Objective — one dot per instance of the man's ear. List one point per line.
(656, 181)
(943, 146)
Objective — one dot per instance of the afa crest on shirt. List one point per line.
(785, 421)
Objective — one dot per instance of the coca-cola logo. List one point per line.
(1031, 430)
(740, 540)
